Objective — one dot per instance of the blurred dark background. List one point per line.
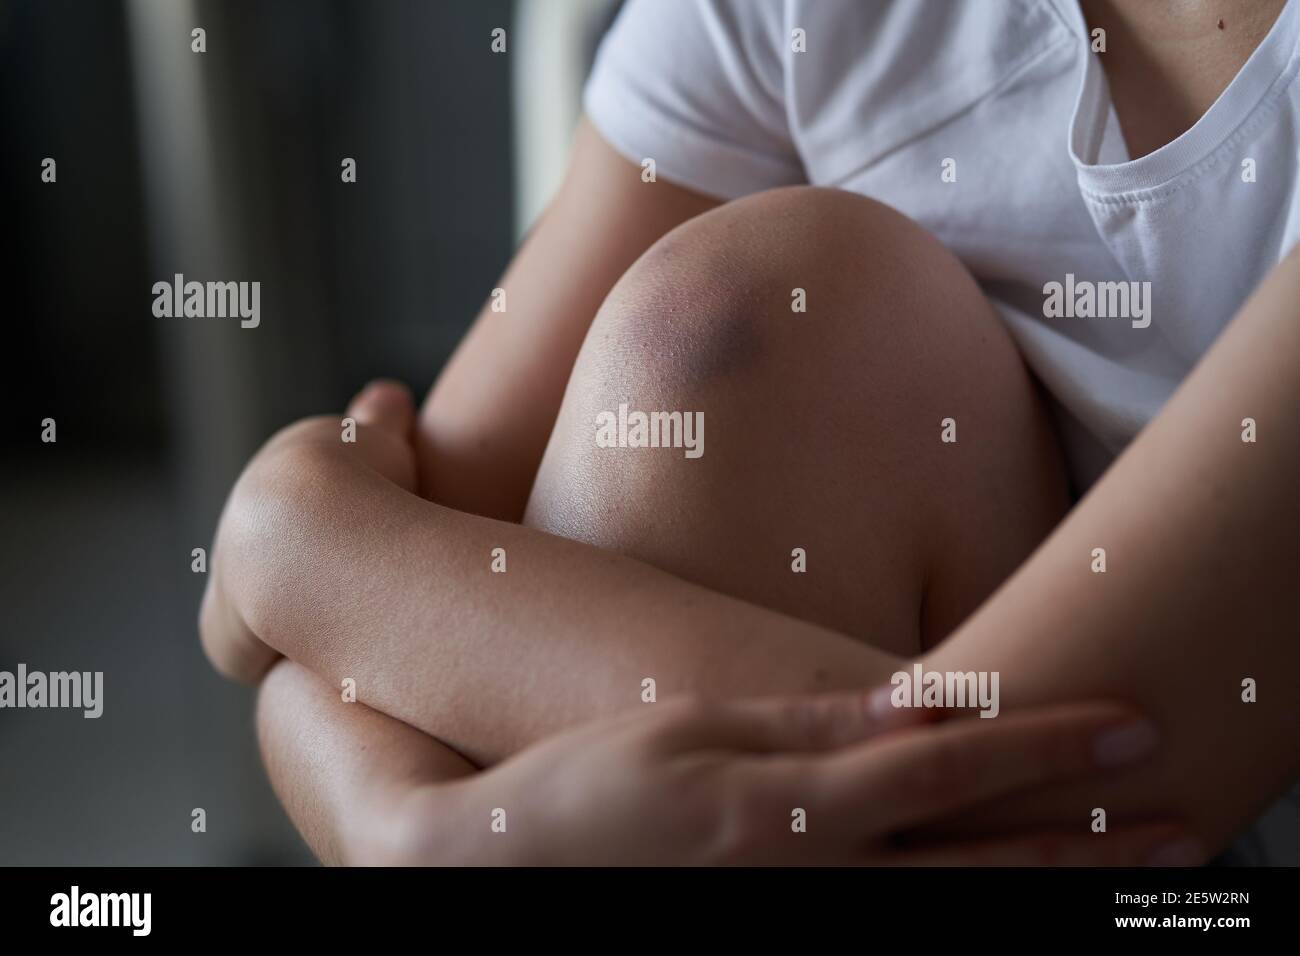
(223, 165)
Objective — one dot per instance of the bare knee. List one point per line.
(825, 337)
(802, 273)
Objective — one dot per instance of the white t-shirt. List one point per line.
(989, 123)
(891, 98)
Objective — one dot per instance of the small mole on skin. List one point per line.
(1220, 24)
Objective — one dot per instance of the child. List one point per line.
(1103, 194)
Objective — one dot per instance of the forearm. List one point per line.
(345, 772)
(1199, 593)
(346, 573)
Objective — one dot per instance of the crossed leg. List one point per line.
(824, 428)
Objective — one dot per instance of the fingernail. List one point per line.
(1182, 852)
(1125, 744)
(881, 709)
(878, 702)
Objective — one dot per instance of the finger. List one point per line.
(385, 405)
(918, 775)
(1143, 845)
(888, 714)
(804, 723)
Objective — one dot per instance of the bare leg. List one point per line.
(823, 428)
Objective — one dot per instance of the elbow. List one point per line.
(231, 647)
(242, 615)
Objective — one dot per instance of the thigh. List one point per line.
(875, 457)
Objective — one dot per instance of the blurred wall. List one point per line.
(225, 166)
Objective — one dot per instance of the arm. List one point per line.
(579, 628)
(345, 772)
(486, 662)
(1200, 591)
(364, 788)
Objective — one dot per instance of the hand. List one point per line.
(385, 415)
(722, 783)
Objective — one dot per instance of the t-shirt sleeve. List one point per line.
(697, 86)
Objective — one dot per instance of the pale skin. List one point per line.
(553, 643)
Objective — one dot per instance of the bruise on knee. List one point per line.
(689, 312)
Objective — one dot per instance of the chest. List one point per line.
(1167, 63)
